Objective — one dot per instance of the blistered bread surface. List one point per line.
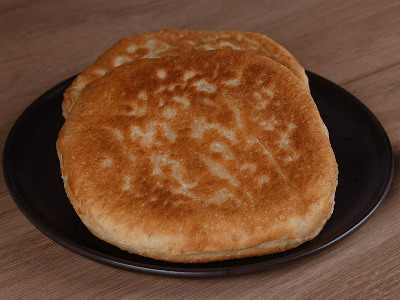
(201, 157)
(175, 42)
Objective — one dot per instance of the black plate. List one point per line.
(31, 170)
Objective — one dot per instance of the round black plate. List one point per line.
(31, 171)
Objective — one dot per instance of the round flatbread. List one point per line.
(196, 158)
(176, 42)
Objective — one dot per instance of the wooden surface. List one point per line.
(355, 44)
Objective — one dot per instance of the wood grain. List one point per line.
(353, 43)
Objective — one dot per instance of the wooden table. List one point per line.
(355, 44)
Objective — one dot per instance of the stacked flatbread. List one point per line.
(177, 42)
(197, 156)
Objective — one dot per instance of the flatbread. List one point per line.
(175, 42)
(202, 157)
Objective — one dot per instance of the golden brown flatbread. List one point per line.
(201, 157)
(175, 42)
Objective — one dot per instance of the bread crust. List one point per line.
(176, 42)
(202, 157)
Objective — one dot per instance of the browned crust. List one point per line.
(241, 168)
(175, 42)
